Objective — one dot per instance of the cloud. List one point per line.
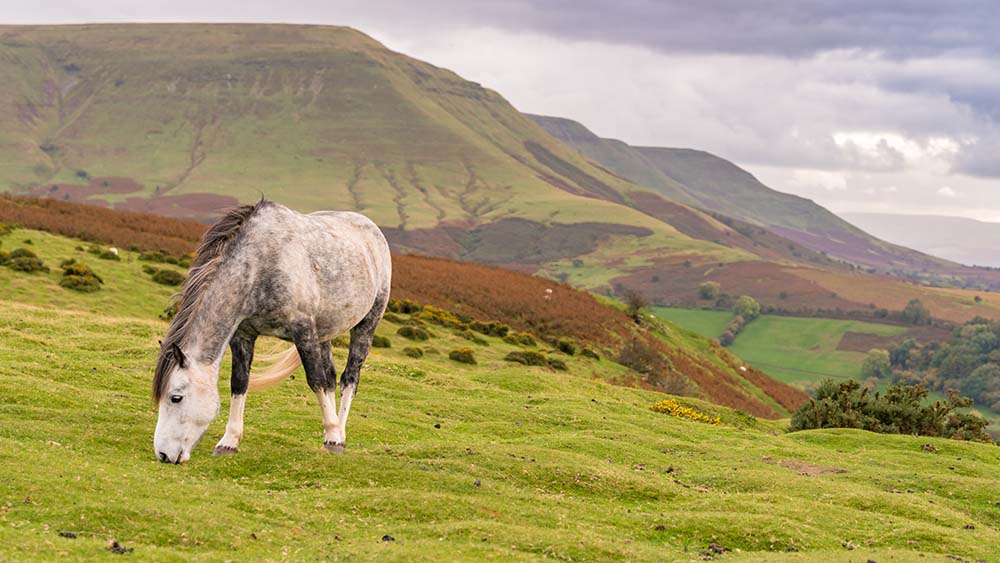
(946, 191)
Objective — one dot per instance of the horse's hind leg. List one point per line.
(241, 346)
(322, 378)
(361, 343)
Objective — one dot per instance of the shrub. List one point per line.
(381, 342)
(413, 352)
(709, 290)
(85, 284)
(147, 269)
(394, 318)
(638, 356)
(4, 257)
(747, 307)
(432, 351)
(106, 254)
(153, 256)
(556, 363)
(24, 260)
(463, 355)
(473, 337)
(527, 357)
(916, 313)
(404, 306)
(566, 346)
(342, 341)
(588, 352)
(413, 333)
(6, 229)
(876, 364)
(673, 408)
(22, 253)
(519, 339)
(170, 311)
(168, 277)
(634, 303)
(899, 411)
(496, 329)
(442, 318)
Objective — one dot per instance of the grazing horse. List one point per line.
(264, 269)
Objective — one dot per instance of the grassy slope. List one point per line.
(707, 323)
(577, 471)
(568, 467)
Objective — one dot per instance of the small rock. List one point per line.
(253, 536)
(872, 561)
(717, 549)
(968, 527)
(659, 527)
(70, 535)
(338, 538)
(115, 547)
(387, 537)
(928, 448)
(477, 483)
(437, 425)
(792, 549)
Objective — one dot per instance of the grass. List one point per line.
(802, 351)
(455, 462)
(705, 322)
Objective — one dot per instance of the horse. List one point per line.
(264, 269)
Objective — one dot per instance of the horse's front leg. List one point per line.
(241, 346)
(317, 361)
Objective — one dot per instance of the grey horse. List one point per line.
(264, 269)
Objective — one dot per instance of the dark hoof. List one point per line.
(224, 450)
(333, 447)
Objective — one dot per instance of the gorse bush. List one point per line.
(168, 277)
(519, 339)
(496, 329)
(403, 306)
(901, 410)
(79, 277)
(413, 352)
(24, 260)
(473, 337)
(413, 333)
(675, 409)
(381, 342)
(527, 357)
(588, 352)
(566, 346)
(557, 364)
(463, 355)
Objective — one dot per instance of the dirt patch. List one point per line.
(810, 469)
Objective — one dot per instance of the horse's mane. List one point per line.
(213, 246)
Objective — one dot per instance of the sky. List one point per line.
(860, 105)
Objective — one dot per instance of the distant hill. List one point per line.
(706, 181)
(186, 119)
(962, 240)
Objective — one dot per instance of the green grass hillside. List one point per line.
(184, 119)
(445, 461)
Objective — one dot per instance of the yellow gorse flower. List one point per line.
(672, 408)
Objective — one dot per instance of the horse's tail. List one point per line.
(281, 366)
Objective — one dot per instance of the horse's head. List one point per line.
(188, 399)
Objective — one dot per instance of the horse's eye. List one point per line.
(176, 398)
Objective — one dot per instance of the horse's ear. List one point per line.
(179, 355)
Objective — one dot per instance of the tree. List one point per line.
(876, 364)
(709, 290)
(635, 301)
(916, 314)
(747, 307)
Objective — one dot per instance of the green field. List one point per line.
(707, 323)
(454, 462)
(796, 350)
